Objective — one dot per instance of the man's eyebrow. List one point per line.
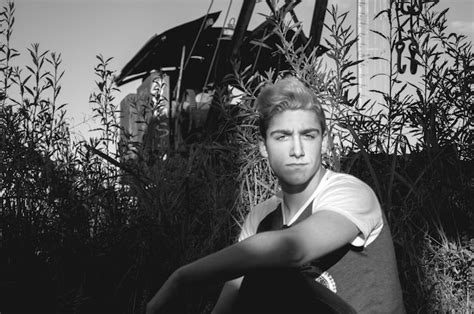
(289, 132)
(306, 131)
(281, 131)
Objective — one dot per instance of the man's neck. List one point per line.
(295, 198)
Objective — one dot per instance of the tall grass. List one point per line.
(412, 147)
(83, 230)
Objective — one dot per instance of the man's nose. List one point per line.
(297, 149)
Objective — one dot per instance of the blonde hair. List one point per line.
(287, 94)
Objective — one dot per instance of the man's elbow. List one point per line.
(294, 253)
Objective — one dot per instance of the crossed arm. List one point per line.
(316, 236)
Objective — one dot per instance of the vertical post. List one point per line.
(233, 55)
(240, 28)
(317, 22)
(173, 126)
(371, 45)
(180, 76)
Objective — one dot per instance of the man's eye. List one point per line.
(281, 137)
(310, 136)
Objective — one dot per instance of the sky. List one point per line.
(82, 29)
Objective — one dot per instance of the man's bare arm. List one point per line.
(316, 236)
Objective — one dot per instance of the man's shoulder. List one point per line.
(268, 205)
(343, 188)
(256, 215)
(346, 180)
(342, 176)
(261, 210)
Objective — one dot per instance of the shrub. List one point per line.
(82, 230)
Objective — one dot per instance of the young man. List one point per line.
(324, 226)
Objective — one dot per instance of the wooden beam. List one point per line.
(317, 22)
(241, 27)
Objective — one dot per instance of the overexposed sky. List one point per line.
(82, 29)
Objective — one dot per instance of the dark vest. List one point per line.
(290, 290)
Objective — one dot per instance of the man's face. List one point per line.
(293, 147)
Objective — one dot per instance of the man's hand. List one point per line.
(167, 292)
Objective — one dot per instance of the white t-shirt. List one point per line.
(338, 192)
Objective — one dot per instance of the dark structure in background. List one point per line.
(194, 59)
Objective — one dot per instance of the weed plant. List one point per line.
(83, 229)
(413, 148)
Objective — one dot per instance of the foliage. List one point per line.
(103, 105)
(84, 229)
(418, 165)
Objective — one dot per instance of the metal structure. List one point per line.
(196, 56)
(197, 40)
(370, 45)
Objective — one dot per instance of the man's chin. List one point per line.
(295, 184)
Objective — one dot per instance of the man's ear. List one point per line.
(325, 143)
(262, 148)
